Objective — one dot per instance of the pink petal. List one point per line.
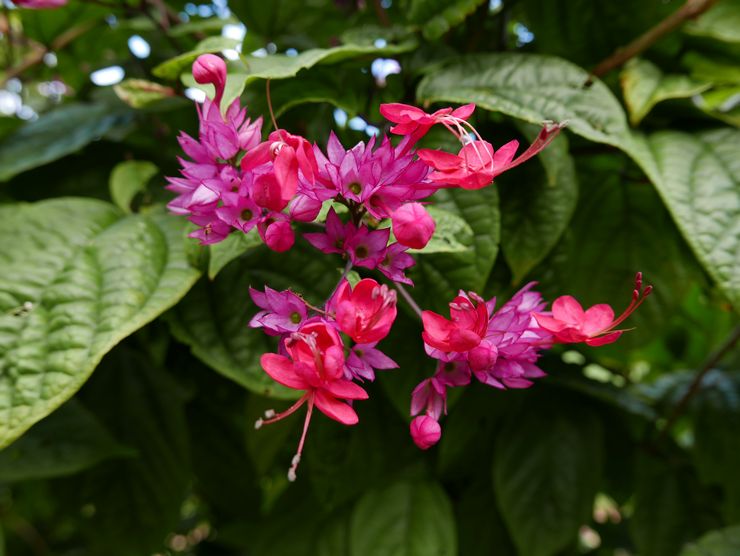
(604, 340)
(439, 160)
(568, 310)
(504, 155)
(345, 389)
(598, 318)
(334, 409)
(548, 323)
(281, 370)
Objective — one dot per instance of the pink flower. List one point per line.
(277, 234)
(366, 312)
(460, 334)
(477, 164)
(425, 431)
(430, 397)
(413, 226)
(395, 262)
(334, 235)
(363, 360)
(315, 364)
(569, 323)
(282, 312)
(366, 248)
(209, 68)
(39, 4)
(413, 121)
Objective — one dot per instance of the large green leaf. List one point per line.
(76, 279)
(404, 519)
(213, 318)
(536, 206)
(533, 88)
(721, 22)
(645, 85)
(128, 179)
(546, 472)
(696, 174)
(723, 542)
(235, 245)
(66, 442)
(56, 134)
(452, 234)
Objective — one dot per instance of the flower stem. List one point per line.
(410, 300)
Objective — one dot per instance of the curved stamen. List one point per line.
(288, 412)
(297, 457)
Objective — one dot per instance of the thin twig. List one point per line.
(381, 14)
(410, 300)
(690, 10)
(695, 386)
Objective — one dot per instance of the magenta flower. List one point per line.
(569, 323)
(460, 334)
(314, 364)
(363, 360)
(366, 248)
(209, 68)
(40, 4)
(282, 312)
(277, 233)
(366, 312)
(413, 121)
(395, 262)
(333, 238)
(430, 397)
(413, 226)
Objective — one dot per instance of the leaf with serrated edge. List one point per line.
(68, 294)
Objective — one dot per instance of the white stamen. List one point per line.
(258, 424)
(291, 475)
(269, 414)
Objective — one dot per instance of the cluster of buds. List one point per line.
(237, 181)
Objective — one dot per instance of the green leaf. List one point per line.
(213, 318)
(721, 22)
(697, 176)
(404, 519)
(144, 407)
(56, 134)
(439, 16)
(451, 235)
(66, 442)
(546, 472)
(140, 93)
(721, 103)
(533, 88)
(537, 208)
(723, 542)
(129, 178)
(235, 245)
(443, 274)
(69, 293)
(645, 85)
(172, 68)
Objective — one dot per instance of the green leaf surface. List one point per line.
(451, 235)
(66, 442)
(213, 318)
(140, 93)
(533, 88)
(723, 542)
(696, 175)
(54, 135)
(721, 22)
(546, 472)
(128, 179)
(644, 85)
(404, 519)
(235, 245)
(537, 206)
(439, 16)
(68, 294)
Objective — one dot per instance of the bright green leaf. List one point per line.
(69, 293)
(404, 519)
(645, 85)
(129, 178)
(721, 22)
(235, 245)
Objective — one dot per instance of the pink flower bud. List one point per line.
(412, 225)
(483, 357)
(39, 4)
(209, 68)
(425, 431)
(279, 236)
(304, 209)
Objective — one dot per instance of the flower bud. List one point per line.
(412, 225)
(279, 236)
(209, 68)
(425, 431)
(304, 209)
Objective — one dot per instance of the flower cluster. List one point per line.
(368, 201)
(313, 357)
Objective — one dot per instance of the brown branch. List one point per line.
(695, 386)
(381, 14)
(690, 10)
(37, 56)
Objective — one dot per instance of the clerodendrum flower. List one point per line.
(315, 365)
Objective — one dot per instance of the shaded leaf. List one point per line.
(438, 16)
(723, 542)
(721, 22)
(451, 235)
(128, 179)
(235, 245)
(140, 93)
